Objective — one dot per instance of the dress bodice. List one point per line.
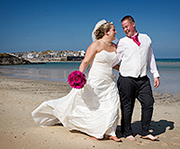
(102, 64)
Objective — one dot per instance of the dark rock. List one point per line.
(7, 59)
(74, 58)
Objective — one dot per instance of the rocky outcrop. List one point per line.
(75, 58)
(6, 59)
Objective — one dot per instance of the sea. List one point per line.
(169, 70)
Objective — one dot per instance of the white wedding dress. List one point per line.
(93, 109)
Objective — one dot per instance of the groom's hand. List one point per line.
(156, 82)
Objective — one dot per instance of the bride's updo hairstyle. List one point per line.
(100, 32)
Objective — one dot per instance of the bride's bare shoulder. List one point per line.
(96, 43)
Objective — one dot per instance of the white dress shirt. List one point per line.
(135, 59)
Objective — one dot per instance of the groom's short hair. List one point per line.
(128, 17)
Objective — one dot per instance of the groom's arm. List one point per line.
(153, 68)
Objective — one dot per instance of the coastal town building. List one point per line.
(51, 55)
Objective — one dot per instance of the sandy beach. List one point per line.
(19, 97)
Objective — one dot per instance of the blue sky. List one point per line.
(27, 25)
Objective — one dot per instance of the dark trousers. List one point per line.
(129, 89)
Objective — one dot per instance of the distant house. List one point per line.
(51, 53)
(37, 55)
(30, 55)
(82, 53)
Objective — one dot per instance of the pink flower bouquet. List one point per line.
(77, 79)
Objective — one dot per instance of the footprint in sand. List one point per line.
(164, 144)
(176, 144)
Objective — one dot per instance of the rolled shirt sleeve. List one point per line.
(152, 64)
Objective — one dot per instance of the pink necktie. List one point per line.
(135, 39)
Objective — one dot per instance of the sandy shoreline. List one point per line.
(19, 97)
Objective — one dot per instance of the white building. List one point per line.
(30, 55)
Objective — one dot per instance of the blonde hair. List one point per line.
(100, 32)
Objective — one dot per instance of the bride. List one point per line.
(94, 109)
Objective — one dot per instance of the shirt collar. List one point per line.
(136, 34)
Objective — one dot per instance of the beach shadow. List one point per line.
(58, 124)
(156, 127)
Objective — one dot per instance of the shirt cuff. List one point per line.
(156, 75)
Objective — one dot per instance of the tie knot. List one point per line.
(135, 39)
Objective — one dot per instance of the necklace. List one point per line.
(109, 44)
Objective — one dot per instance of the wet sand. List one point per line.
(19, 97)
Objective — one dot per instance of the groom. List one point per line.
(135, 53)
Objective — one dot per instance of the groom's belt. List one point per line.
(138, 78)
